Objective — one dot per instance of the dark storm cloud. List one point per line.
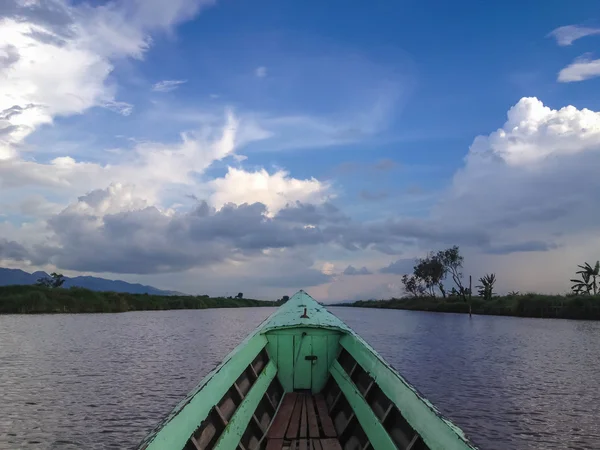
(146, 240)
(309, 214)
(400, 267)
(13, 250)
(388, 250)
(351, 270)
(528, 246)
(306, 277)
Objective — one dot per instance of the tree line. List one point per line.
(44, 299)
(432, 272)
(56, 280)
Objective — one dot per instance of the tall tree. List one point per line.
(55, 280)
(413, 286)
(452, 261)
(430, 270)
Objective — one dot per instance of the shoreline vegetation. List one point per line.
(437, 284)
(34, 299)
(577, 307)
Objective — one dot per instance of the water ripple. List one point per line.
(103, 381)
(507, 382)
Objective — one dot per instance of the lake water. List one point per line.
(103, 381)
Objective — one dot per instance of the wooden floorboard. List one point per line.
(313, 423)
(274, 444)
(326, 422)
(330, 444)
(282, 419)
(302, 423)
(292, 431)
(303, 419)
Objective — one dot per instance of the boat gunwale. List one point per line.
(420, 399)
(185, 402)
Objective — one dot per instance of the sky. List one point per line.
(224, 146)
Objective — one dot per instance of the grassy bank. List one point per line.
(528, 305)
(40, 300)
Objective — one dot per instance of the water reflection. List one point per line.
(508, 382)
(102, 381)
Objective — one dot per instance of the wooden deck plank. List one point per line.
(330, 444)
(282, 419)
(313, 424)
(303, 419)
(274, 444)
(293, 428)
(303, 444)
(326, 422)
(316, 444)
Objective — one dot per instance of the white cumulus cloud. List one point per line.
(274, 190)
(150, 166)
(55, 58)
(533, 183)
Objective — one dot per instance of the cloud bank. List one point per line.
(528, 187)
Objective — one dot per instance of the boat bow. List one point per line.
(303, 365)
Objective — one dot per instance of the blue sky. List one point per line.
(372, 109)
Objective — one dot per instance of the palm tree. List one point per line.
(486, 288)
(588, 283)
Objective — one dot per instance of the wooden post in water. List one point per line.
(469, 296)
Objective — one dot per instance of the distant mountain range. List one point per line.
(16, 276)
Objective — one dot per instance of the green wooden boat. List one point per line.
(303, 380)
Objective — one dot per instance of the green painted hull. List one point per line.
(304, 348)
